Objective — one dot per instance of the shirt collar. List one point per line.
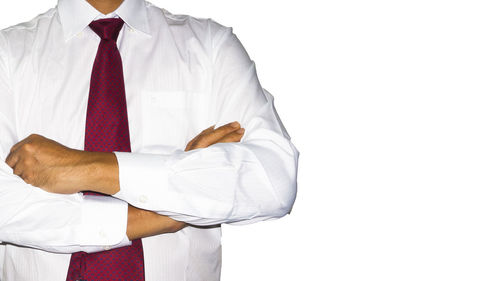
(76, 15)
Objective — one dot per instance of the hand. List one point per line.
(37, 160)
(54, 167)
(49, 165)
(231, 132)
(142, 223)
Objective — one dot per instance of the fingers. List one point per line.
(231, 132)
(190, 144)
(212, 137)
(16, 146)
(19, 158)
(233, 137)
(18, 164)
(18, 169)
(13, 156)
(11, 160)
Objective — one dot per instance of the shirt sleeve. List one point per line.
(34, 218)
(236, 183)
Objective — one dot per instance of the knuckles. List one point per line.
(34, 137)
(28, 178)
(28, 147)
(25, 162)
(17, 171)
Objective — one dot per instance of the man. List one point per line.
(110, 96)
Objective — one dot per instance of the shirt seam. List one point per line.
(7, 61)
(33, 22)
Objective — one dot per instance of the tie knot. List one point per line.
(107, 29)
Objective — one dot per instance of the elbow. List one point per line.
(277, 190)
(286, 201)
(267, 185)
(286, 192)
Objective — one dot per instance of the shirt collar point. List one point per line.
(145, 30)
(135, 15)
(142, 27)
(69, 34)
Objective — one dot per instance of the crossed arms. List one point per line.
(224, 182)
(53, 167)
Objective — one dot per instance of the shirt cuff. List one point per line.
(142, 176)
(123, 243)
(104, 223)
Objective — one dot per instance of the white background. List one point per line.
(394, 106)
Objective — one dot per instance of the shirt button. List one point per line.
(106, 248)
(143, 199)
(102, 234)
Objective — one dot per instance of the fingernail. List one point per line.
(241, 131)
(235, 124)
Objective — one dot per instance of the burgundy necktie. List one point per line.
(107, 130)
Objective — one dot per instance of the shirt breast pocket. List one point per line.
(171, 117)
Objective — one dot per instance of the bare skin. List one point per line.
(142, 223)
(105, 6)
(53, 167)
(46, 164)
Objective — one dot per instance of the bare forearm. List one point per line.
(55, 168)
(142, 223)
(49, 165)
(98, 171)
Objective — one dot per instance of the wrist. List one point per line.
(142, 223)
(98, 172)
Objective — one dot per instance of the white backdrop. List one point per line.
(394, 106)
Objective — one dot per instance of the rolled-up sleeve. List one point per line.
(253, 180)
(52, 222)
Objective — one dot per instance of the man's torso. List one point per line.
(169, 99)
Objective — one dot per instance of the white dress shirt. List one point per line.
(182, 75)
